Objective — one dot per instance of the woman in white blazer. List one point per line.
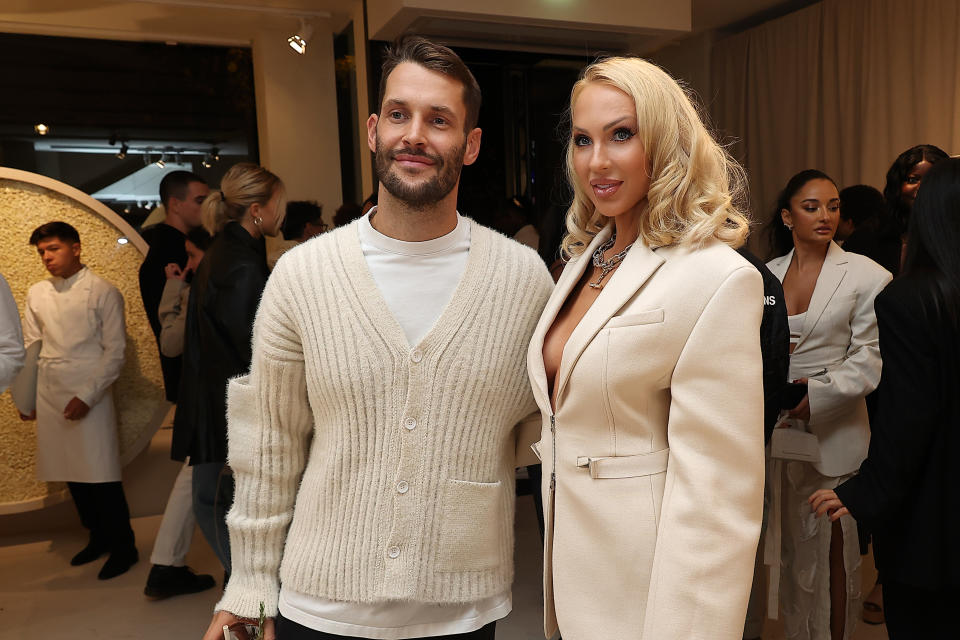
(835, 352)
(646, 365)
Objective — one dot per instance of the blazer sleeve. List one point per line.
(907, 418)
(831, 393)
(713, 496)
(269, 424)
(11, 339)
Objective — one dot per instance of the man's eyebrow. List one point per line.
(439, 108)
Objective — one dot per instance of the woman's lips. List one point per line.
(605, 188)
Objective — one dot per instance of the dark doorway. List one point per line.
(114, 109)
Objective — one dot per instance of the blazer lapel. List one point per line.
(569, 278)
(639, 264)
(779, 266)
(831, 274)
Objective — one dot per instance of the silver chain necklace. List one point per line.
(607, 266)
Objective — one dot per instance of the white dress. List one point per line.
(80, 321)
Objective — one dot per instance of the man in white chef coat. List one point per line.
(79, 318)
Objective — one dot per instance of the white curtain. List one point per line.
(842, 86)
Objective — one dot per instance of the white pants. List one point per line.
(805, 575)
(176, 528)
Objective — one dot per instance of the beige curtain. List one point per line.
(842, 86)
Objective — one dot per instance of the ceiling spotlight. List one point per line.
(215, 152)
(41, 129)
(123, 151)
(126, 209)
(299, 42)
(162, 162)
(207, 161)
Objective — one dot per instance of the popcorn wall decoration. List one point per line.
(113, 250)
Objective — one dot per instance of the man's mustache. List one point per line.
(406, 151)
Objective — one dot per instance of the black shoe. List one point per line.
(165, 581)
(119, 562)
(88, 554)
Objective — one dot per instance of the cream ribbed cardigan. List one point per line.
(367, 470)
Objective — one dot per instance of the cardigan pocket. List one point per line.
(472, 526)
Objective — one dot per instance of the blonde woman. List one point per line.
(223, 302)
(646, 365)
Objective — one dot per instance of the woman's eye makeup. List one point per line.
(623, 134)
(581, 140)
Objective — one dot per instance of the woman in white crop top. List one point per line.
(834, 351)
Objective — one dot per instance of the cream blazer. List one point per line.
(839, 352)
(653, 457)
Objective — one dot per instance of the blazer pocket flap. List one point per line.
(644, 464)
(644, 317)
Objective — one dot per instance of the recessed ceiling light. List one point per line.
(41, 128)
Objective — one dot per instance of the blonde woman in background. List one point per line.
(646, 365)
(223, 302)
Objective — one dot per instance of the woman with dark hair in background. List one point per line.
(903, 179)
(834, 363)
(223, 301)
(905, 490)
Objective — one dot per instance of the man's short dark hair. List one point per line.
(435, 57)
(299, 213)
(176, 184)
(200, 238)
(59, 230)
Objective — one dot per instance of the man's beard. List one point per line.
(424, 194)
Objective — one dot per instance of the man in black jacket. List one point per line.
(182, 194)
(775, 350)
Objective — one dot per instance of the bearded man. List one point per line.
(375, 438)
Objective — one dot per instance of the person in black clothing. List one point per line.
(220, 312)
(905, 489)
(182, 194)
(866, 227)
(775, 351)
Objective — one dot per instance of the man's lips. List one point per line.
(605, 187)
(407, 159)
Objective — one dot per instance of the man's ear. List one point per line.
(372, 131)
(473, 146)
(75, 249)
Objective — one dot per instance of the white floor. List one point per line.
(43, 598)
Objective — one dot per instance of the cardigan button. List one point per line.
(410, 424)
(416, 356)
(394, 551)
(402, 486)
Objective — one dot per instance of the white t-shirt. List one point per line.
(417, 280)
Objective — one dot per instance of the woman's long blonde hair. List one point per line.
(696, 187)
(242, 185)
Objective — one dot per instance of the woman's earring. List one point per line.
(257, 220)
(788, 226)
